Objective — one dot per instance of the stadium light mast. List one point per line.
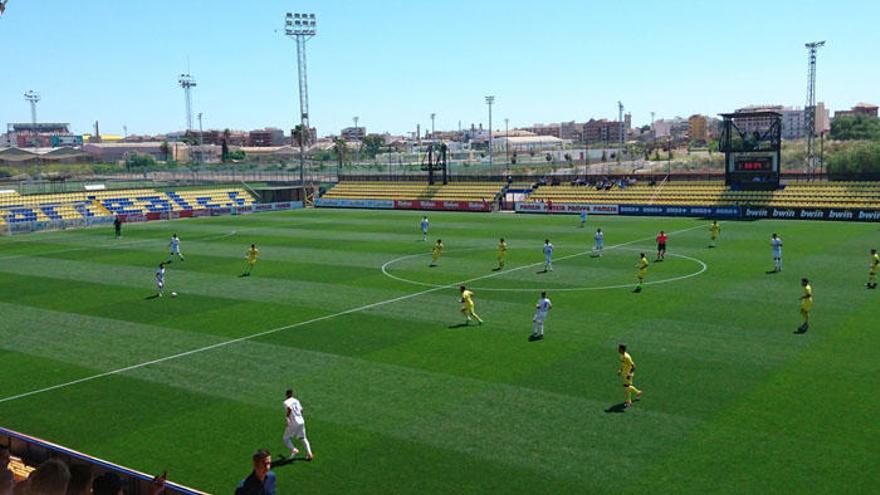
(507, 141)
(201, 140)
(433, 116)
(490, 100)
(187, 82)
(33, 98)
(301, 27)
(620, 131)
(810, 106)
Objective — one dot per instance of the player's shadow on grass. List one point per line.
(458, 325)
(154, 296)
(617, 408)
(771, 272)
(285, 461)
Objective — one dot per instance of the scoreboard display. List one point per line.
(753, 169)
(753, 164)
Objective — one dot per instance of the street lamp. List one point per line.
(490, 100)
(360, 141)
(507, 143)
(301, 27)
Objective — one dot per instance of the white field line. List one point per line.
(285, 327)
(703, 268)
(111, 245)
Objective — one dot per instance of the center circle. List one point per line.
(570, 265)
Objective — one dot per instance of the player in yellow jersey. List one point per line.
(467, 308)
(627, 371)
(714, 230)
(643, 272)
(502, 253)
(872, 270)
(251, 258)
(436, 251)
(806, 304)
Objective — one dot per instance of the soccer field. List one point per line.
(399, 397)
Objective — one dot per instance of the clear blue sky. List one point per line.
(393, 63)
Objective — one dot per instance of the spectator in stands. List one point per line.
(51, 478)
(7, 479)
(554, 181)
(107, 484)
(81, 477)
(261, 481)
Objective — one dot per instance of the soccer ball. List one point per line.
(174, 294)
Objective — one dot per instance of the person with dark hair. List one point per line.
(117, 226)
(261, 481)
(626, 371)
(296, 425)
(107, 484)
(80, 480)
(7, 479)
(51, 478)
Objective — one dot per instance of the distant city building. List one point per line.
(269, 136)
(354, 133)
(311, 139)
(794, 120)
(698, 128)
(860, 109)
(525, 143)
(24, 135)
(603, 131)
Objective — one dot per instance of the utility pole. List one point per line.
(810, 107)
(357, 133)
(490, 100)
(433, 116)
(201, 140)
(620, 131)
(301, 27)
(507, 140)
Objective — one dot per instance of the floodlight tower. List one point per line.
(357, 134)
(187, 82)
(490, 100)
(301, 27)
(810, 107)
(620, 131)
(433, 116)
(33, 98)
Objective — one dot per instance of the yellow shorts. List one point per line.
(627, 382)
(805, 306)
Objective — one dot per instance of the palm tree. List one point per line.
(340, 148)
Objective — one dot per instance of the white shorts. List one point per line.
(539, 317)
(295, 429)
(160, 284)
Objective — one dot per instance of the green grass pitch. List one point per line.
(399, 399)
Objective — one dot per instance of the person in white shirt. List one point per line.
(174, 248)
(583, 218)
(548, 256)
(424, 228)
(160, 280)
(600, 242)
(296, 426)
(541, 309)
(776, 244)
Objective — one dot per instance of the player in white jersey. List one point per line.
(776, 244)
(174, 248)
(424, 225)
(541, 309)
(548, 256)
(296, 426)
(160, 280)
(599, 237)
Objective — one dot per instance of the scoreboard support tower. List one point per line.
(752, 147)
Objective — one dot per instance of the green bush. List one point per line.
(861, 159)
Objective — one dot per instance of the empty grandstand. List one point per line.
(807, 195)
(17, 208)
(416, 191)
